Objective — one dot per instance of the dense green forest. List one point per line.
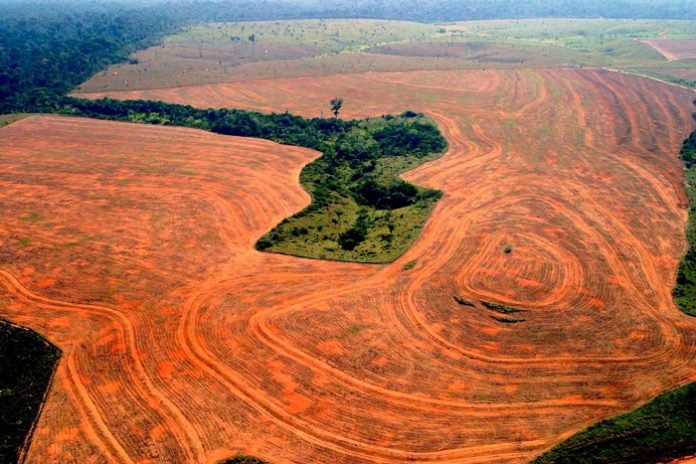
(27, 362)
(43, 56)
(685, 290)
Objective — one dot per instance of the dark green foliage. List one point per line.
(26, 366)
(410, 265)
(397, 195)
(684, 292)
(45, 53)
(356, 234)
(508, 249)
(263, 244)
(462, 301)
(688, 151)
(243, 460)
(660, 431)
(278, 127)
(417, 139)
(501, 308)
(506, 320)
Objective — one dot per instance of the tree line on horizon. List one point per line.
(49, 48)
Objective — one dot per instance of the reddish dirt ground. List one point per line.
(683, 73)
(130, 247)
(674, 49)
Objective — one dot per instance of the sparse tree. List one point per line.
(252, 39)
(336, 105)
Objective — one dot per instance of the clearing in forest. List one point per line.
(183, 343)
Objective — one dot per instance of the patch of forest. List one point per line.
(361, 210)
(27, 362)
(684, 292)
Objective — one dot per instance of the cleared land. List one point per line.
(675, 50)
(653, 433)
(196, 347)
(224, 52)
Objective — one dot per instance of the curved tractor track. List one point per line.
(131, 248)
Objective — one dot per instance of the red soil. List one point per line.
(183, 344)
(674, 49)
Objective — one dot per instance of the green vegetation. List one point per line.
(27, 362)
(361, 210)
(508, 249)
(7, 119)
(462, 301)
(684, 292)
(45, 53)
(501, 308)
(328, 36)
(410, 265)
(659, 431)
(506, 320)
(611, 43)
(663, 76)
(241, 459)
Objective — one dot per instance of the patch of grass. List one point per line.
(509, 122)
(659, 431)
(665, 77)
(27, 362)
(187, 173)
(355, 329)
(587, 42)
(24, 242)
(409, 265)
(506, 320)
(7, 119)
(501, 308)
(31, 217)
(463, 302)
(81, 241)
(508, 249)
(333, 35)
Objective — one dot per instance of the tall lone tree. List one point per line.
(336, 105)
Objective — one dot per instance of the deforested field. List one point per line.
(536, 301)
(675, 50)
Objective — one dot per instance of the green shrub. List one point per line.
(462, 301)
(501, 308)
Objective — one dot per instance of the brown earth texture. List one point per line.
(674, 50)
(131, 248)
